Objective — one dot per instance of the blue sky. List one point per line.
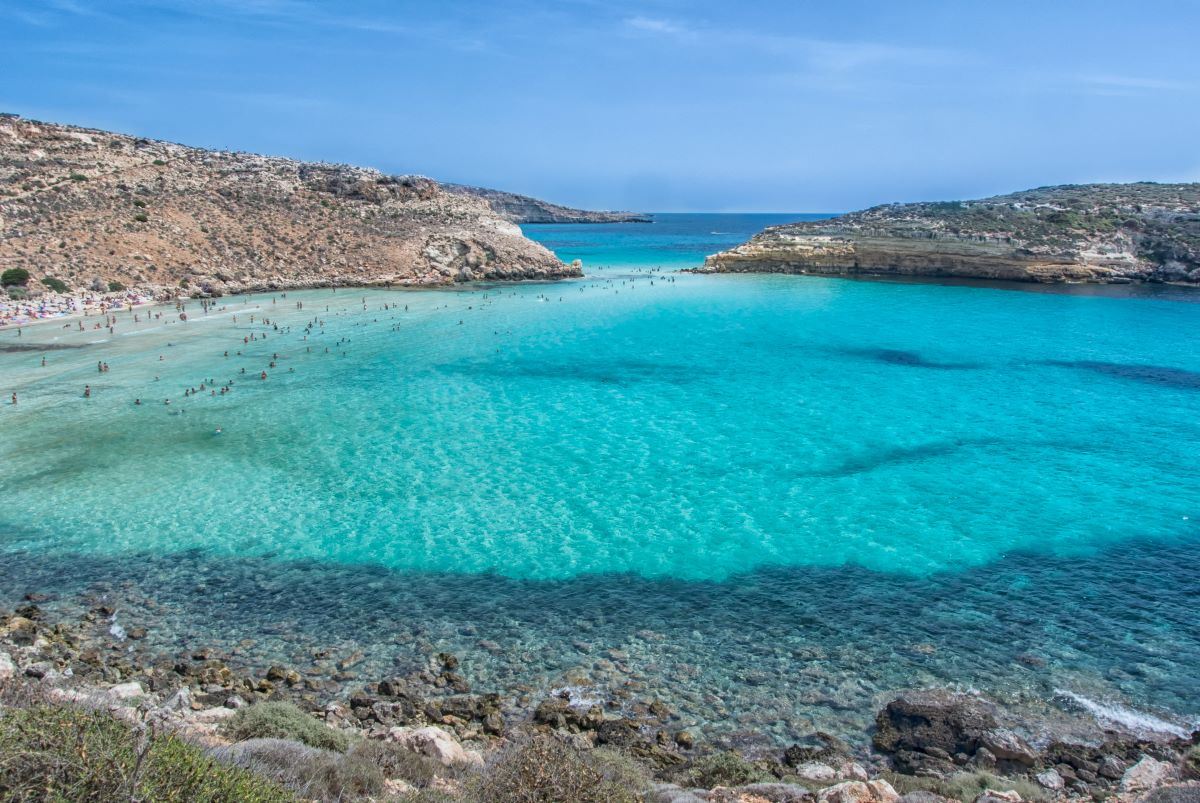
(665, 105)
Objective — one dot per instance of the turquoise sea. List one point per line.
(770, 501)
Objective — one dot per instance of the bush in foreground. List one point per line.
(545, 770)
(284, 721)
(965, 785)
(310, 772)
(62, 752)
(722, 769)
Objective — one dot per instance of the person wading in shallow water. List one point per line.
(87, 391)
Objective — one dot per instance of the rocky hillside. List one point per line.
(92, 207)
(523, 209)
(1076, 233)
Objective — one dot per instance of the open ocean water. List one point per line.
(770, 501)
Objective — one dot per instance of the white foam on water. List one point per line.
(116, 630)
(1139, 723)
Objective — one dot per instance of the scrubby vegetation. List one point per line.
(965, 785)
(544, 769)
(66, 753)
(57, 285)
(284, 721)
(722, 769)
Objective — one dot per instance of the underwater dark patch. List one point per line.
(1149, 374)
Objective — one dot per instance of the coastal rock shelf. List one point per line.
(1106, 233)
(92, 208)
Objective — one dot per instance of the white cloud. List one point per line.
(654, 25)
(1127, 85)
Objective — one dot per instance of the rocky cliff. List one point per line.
(91, 207)
(1077, 233)
(523, 209)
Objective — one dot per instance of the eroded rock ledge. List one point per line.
(1102, 233)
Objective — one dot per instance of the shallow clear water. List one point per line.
(775, 498)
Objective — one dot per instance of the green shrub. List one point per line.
(78, 177)
(57, 285)
(965, 785)
(61, 752)
(14, 276)
(395, 761)
(159, 162)
(141, 217)
(1191, 762)
(722, 769)
(115, 287)
(139, 203)
(284, 721)
(311, 773)
(546, 770)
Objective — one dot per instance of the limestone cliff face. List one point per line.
(523, 209)
(89, 207)
(1086, 233)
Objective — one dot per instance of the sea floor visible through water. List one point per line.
(768, 501)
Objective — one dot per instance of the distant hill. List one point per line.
(1081, 233)
(91, 207)
(523, 209)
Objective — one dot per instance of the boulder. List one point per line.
(1147, 774)
(819, 746)
(1050, 779)
(8, 669)
(180, 700)
(1008, 746)
(938, 719)
(859, 792)
(1111, 767)
(126, 691)
(436, 744)
(211, 716)
(816, 771)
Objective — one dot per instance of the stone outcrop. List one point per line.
(91, 208)
(1116, 233)
(523, 209)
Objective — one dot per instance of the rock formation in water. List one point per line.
(1074, 233)
(523, 209)
(92, 208)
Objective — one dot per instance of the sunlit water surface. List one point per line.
(769, 501)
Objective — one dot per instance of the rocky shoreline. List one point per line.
(1101, 233)
(927, 746)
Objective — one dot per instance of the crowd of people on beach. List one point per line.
(15, 312)
(258, 331)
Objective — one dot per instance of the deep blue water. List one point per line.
(771, 501)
